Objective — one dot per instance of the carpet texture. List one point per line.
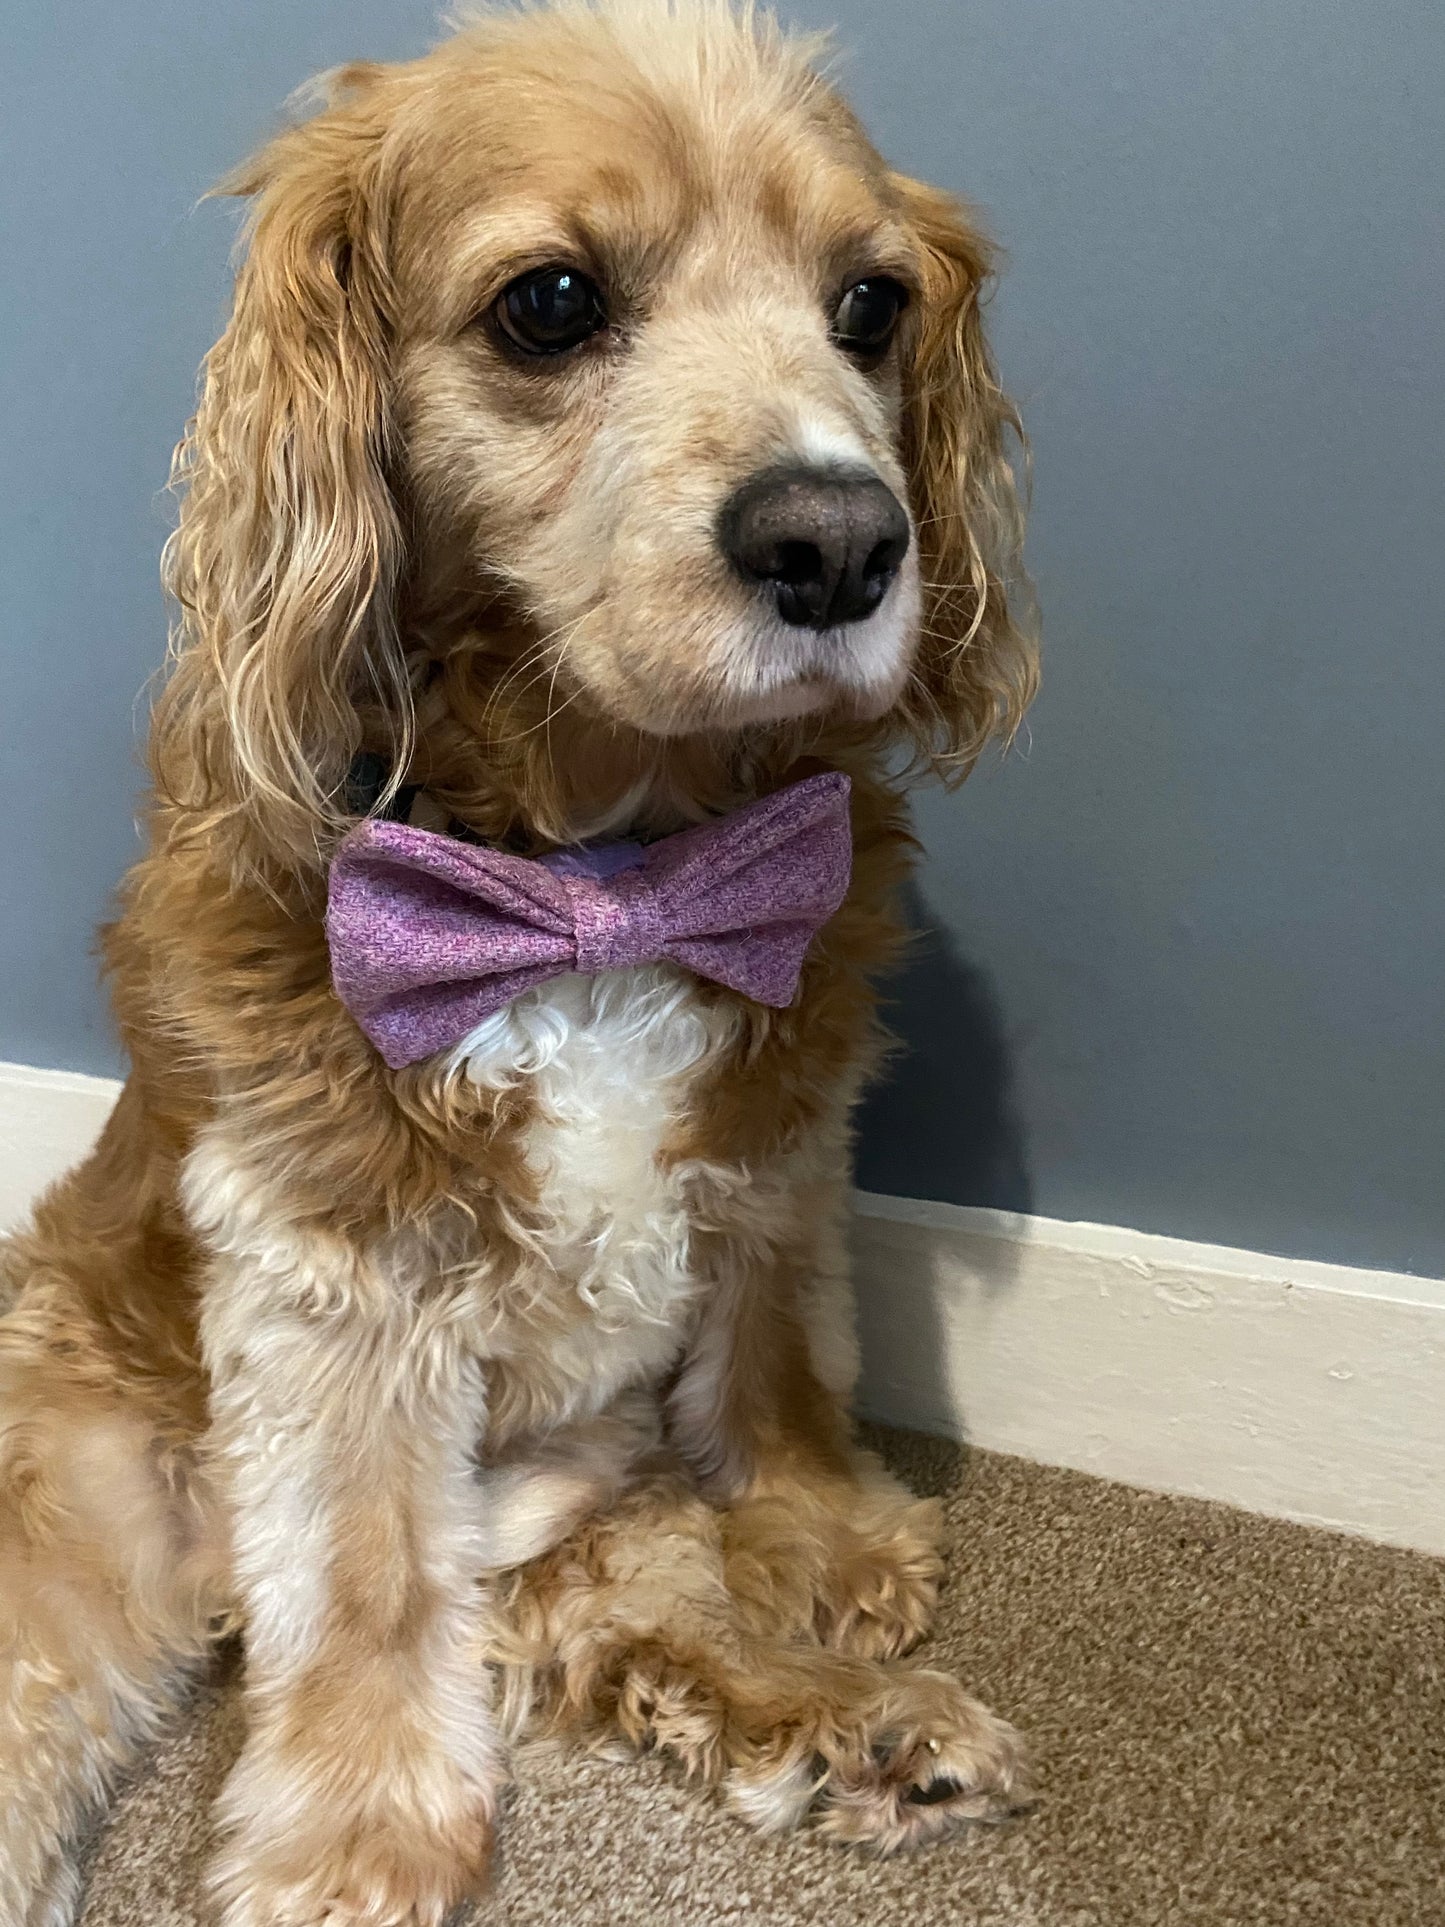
(1237, 1723)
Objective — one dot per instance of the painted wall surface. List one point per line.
(1183, 953)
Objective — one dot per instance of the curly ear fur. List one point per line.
(977, 666)
(288, 549)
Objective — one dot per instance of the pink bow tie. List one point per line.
(429, 935)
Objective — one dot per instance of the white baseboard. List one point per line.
(48, 1120)
(1307, 1391)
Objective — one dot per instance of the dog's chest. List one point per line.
(609, 1066)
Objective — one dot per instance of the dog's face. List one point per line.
(649, 374)
(609, 328)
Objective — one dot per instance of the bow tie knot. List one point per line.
(616, 929)
(430, 935)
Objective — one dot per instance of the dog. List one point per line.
(604, 443)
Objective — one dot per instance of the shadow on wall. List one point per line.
(942, 1124)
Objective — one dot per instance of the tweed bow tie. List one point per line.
(429, 935)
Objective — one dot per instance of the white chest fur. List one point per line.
(609, 1063)
(593, 1287)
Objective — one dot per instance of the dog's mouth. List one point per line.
(769, 689)
(755, 669)
(853, 671)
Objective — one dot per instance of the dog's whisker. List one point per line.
(556, 639)
(530, 656)
(557, 642)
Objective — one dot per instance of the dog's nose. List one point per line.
(826, 544)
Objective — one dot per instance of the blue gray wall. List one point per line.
(1183, 956)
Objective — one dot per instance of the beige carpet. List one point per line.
(1237, 1724)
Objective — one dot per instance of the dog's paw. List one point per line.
(936, 1758)
(882, 1596)
(366, 1881)
(921, 1760)
(389, 1868)
(857, 1569)
(672, 1708)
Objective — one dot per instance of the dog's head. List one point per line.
(606, 332)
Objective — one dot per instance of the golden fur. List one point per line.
(343, 1357)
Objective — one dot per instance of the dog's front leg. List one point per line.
(346, 1407)
(818, 1541)
(820, 1537)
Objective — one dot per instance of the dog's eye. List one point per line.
(867, 316)
(550, 310)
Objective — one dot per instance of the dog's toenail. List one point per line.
(934, 1747)
(932, 1795)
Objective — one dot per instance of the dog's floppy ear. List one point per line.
(286, 557)
(977, 664)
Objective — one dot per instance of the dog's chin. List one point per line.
(836, 699)
(765, 674)
(772, 703)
